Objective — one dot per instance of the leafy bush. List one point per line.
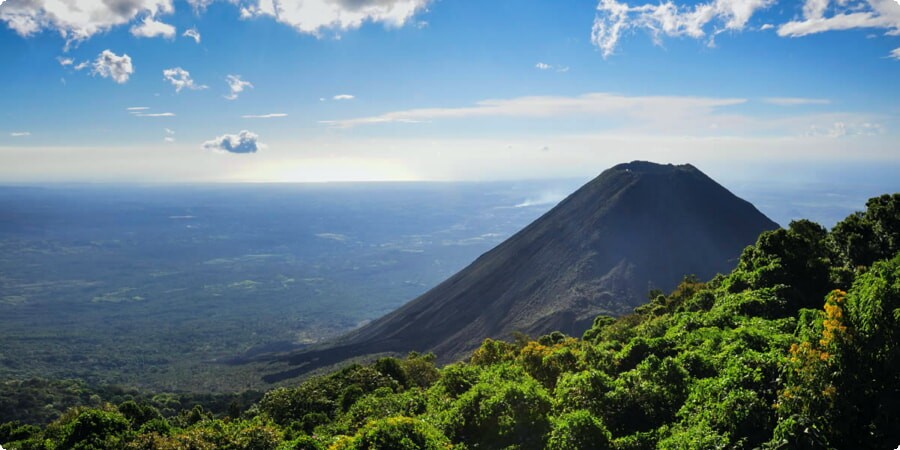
(397, 433)
(579, 430)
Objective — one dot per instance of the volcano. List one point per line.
(636, 227)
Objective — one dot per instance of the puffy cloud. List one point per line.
(193, 34)
(110, 65)
(815, 8)
(895, 54)
(150, 27)
(264, 116)
(668, 19)
(796, 101)
(313, 16)
(76, 21)
(20, 134)
(181, 79)
(236, 85)
(343, 97)
(243, 142)
(846, 15)
(200, 5)
(65, 61)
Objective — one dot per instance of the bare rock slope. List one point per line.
(636, 227)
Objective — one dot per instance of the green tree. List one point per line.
(397, 433)
(866, 237)
(870, 375)
(502, 410)
(579, 430)
(93, 429)
(796, 257)
(138, 413)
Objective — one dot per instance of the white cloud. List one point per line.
(150, 27)
(20, 134)
(543, 198)
(843, 129)
(110, 65)
(314, 16)
(82, 65)
(639, 115)
(668, 19)
(170, 136)
(845, 15)
(343, 97)
(766, 26)
(593, 104)
(164, 114)
(243, 142)
(65, 61)
(264, 116)
(895, 54)
(236, 85)
(141, 111)
(193, 34)
(796, 101)
(77, 21)
(200, 5)
(558, 69)
(181, 79)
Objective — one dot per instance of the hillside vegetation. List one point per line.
(797, 348)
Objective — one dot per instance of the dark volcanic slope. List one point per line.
(635, 227)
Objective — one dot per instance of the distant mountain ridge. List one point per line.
(636, 227)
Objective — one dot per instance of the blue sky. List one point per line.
(119, 90)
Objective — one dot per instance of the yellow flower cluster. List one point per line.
(832, 326)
